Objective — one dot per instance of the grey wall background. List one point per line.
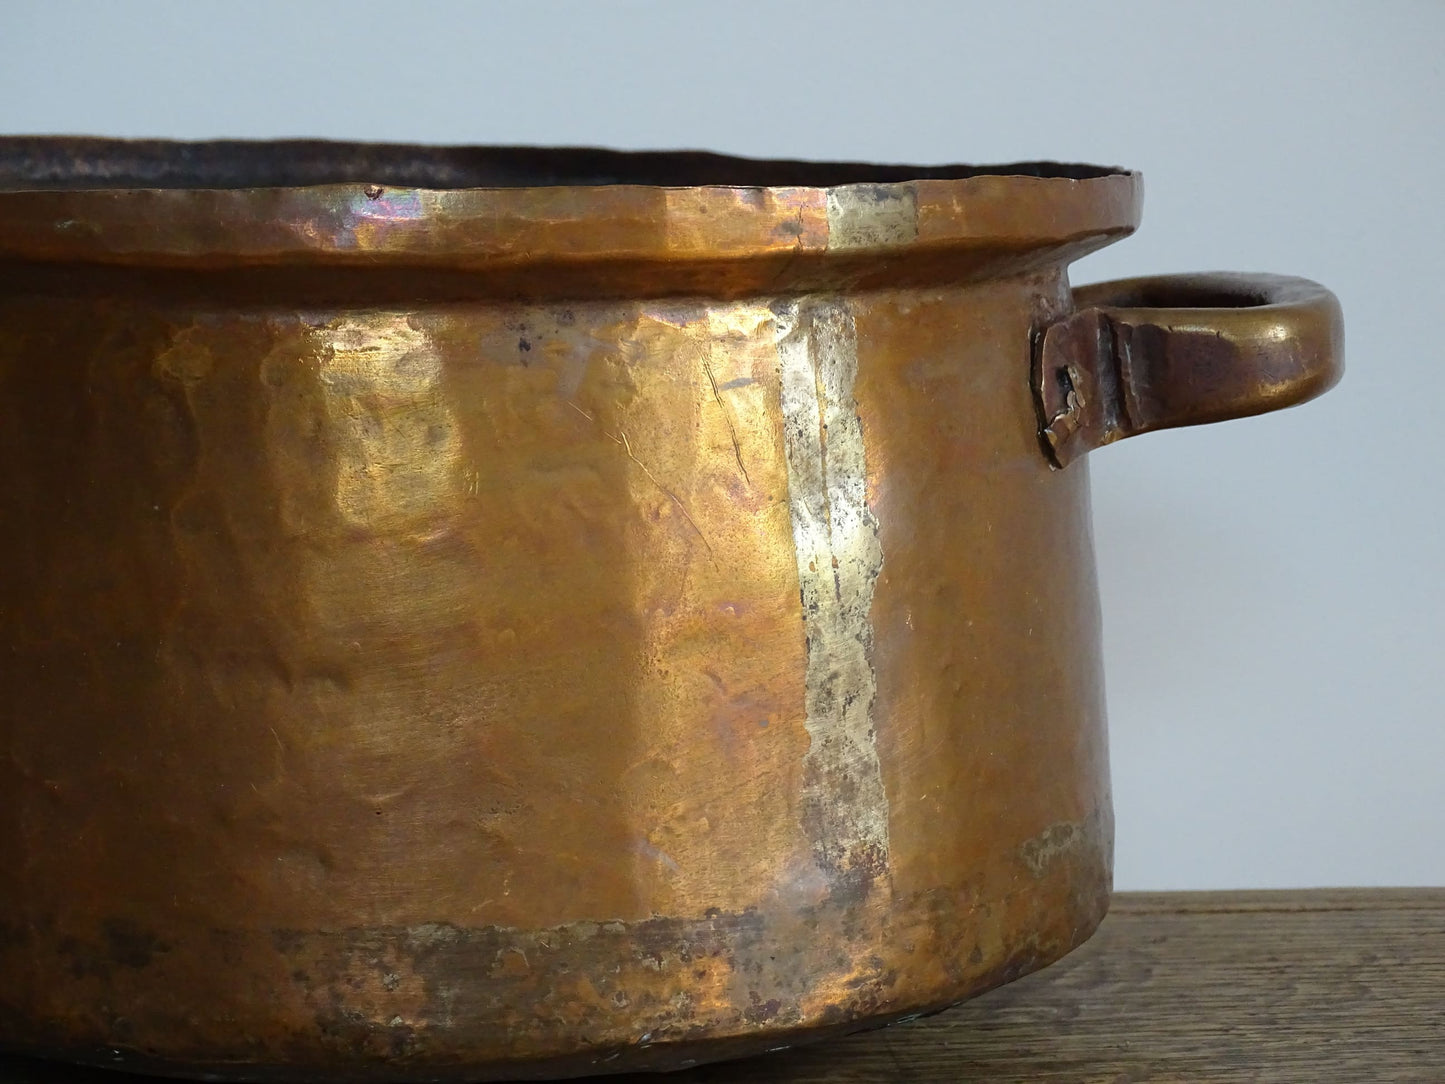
(1273, 588)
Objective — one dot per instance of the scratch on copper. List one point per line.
(621, 438)
(627, 447)
(728, 416)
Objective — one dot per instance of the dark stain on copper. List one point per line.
(130, 944)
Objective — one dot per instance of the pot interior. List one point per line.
(28, 163)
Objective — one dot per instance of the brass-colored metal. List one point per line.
(1155, 353)
(490, 614)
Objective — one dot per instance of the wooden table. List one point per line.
(1317, 987)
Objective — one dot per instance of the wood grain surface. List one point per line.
(1315, 987)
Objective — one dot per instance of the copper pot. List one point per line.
(479, 613)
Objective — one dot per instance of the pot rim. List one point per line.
(205, 205)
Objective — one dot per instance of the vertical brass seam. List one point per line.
(839, 558)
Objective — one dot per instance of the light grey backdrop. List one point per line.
(1273, 588)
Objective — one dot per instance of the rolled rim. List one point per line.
(299, 202)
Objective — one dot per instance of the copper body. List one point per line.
(487, 614)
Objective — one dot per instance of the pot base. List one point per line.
(323, 1027)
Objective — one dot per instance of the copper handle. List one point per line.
(1171, 350)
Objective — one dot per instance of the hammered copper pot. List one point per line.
(490, 613)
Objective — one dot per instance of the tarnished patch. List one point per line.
(839, 559)
(1055, 842)
(870, 215)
